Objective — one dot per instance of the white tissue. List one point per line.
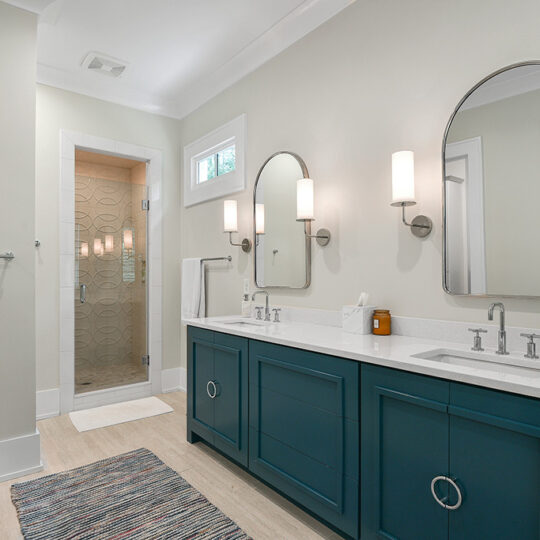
(363, 299)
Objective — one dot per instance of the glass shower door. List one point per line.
(110, 283)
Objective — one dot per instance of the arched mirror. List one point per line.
(282, 250)
(491, 175)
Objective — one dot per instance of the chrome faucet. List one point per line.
(501, 339)
(267, 306)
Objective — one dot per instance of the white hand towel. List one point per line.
(193, 295)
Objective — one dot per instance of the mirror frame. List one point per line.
(307, 223)
(444, 229)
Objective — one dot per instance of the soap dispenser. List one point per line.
(246, 302)
(246, 306)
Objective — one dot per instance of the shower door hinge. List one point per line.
(146, 204)
(145, 360)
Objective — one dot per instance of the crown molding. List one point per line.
(291, 28)
(35, 6)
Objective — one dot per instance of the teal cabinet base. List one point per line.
(192, 437)
(289, 416)
(304, 430)
(495, 458)
(404, 445)
(218, 392)
(415, 428)
(358, 446)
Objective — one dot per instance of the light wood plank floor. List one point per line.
(260, 512)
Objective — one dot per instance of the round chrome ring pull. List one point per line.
(211, 385)
(442, 501)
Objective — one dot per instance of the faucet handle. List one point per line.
(531, 345)
(259, 309)
(477, 346)
(276, 314)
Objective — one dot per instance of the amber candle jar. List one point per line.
(382, 322)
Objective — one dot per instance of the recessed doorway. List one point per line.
(110, 272)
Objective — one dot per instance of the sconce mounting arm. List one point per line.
(421, 226)
(245, 244)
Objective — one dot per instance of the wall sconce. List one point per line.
(109, 243)
(84, 249)
(98, 247)
(304, 210)
(230, 224)
(403, 192)
(259, 220)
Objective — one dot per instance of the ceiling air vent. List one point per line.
(100, 63)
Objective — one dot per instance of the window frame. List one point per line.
(225, 136)
(214, 152)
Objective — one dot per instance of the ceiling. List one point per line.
(179, 53)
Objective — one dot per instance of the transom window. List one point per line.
(214, 164)
(222, 162)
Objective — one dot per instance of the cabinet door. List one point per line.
(231, 403)
(304, 437)
(495, 457)
(404, 445)
(200, 372)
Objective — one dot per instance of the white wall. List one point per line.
(383, 75)
(17, 330)
(56, 110)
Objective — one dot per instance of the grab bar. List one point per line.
(8, 255)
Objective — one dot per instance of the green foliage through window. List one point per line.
(222, 162)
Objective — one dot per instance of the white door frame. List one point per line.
(471, 151)
(69, 141)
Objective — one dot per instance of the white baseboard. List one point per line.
(47, 403)
(173, 380)
(20, 456)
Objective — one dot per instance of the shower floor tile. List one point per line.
(89, 378)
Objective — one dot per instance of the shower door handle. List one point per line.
(82, 293)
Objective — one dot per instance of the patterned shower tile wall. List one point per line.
(110, 327)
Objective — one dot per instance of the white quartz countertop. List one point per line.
(389, 351)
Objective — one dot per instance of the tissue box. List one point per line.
(357, 319)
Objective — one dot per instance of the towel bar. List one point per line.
(228, 258)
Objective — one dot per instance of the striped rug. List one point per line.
(131, 496)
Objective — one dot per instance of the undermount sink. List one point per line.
(244, 322)
(482, 360)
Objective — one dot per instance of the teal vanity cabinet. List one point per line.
(404, 444)
(495, 455)
(218, 391)
(487, 443)
(304, 429)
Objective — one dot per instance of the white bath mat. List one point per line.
(118, 413)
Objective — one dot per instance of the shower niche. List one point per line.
(111, 238)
